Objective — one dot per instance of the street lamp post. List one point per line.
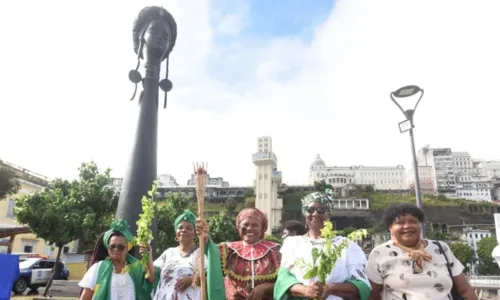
(407, 125)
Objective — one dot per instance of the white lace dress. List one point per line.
(173, 267)
(351, 265)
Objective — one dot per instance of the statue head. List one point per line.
(155, 32)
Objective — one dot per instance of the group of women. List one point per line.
(405, 268)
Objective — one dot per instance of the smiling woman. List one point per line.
(409, 267)
(251, 265)
(346, 280)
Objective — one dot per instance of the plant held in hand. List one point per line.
(323, 260)
(144, 232)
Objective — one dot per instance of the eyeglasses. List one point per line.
(319, 210)
(119, 247)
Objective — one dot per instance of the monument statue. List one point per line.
(154, 35)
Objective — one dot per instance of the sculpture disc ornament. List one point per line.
(154, 36)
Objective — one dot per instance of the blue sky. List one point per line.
(296, 18)
(314, 75)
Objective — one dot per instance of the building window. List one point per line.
(265, 176)
(66, 249)
(28, 249)
(10, 209)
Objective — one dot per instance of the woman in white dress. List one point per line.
(411, 268)
(114, 274)
(347, 279)
(177, 264)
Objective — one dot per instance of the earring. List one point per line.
(176, 239)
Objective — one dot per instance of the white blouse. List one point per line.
(350, 265)
(389, 265)
(122, 286)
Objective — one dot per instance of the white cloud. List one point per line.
(65, 90)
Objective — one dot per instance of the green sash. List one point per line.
(286, 280)
(215, 278)
(143, 288)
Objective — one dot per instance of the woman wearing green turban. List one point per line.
(347, 279)
(114, 273)
(177, 263)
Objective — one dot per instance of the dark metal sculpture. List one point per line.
(154, 35)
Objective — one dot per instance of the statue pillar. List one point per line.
(154, 35)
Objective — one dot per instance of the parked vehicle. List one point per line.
(35, 272)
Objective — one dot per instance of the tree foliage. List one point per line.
(98, 202)
(53, 215)
(463, 252)
(8, 183)
(273, 238)
(249, 202)
(168, 210)
(222, 228)
(70, 210)
(230, 205)
(321, 186)
(487, 265)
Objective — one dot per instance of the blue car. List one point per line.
(35, 272)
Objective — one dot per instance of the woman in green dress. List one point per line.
(114, 274)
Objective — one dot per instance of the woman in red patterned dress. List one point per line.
(251, 265)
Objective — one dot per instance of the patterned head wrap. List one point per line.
(252, 213)
(122, 227)
(323, 198)
(187, 216)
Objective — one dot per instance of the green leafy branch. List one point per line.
(144, 232)
(324, 260)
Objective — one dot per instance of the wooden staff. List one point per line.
(200, 179)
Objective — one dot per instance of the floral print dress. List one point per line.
(173, 267)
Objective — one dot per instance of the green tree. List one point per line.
(272, 238)
(53, 215)
(8, 183)
(292, 206)
(487, 265)
(167, 211)
(250, 202)
(222, 228)
(98, 202)
(230, 206)
(321, 186)
(463, 252)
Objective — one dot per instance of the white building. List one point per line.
(211, 181)
(382, 178)
(166, 180)
(427, 180)
(490, 169)
(267, 181)
(473, 236)
(442, 162)
(462, 162)
(474, 187)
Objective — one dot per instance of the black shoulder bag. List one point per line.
(455, 295)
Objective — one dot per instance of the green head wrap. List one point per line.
(187, 216)
(120, 226)
(323, 198)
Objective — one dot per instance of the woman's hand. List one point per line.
(145, 249)
(314, 290)
(202, 230)
(260, 291)
(183, 283)
(197, 280)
